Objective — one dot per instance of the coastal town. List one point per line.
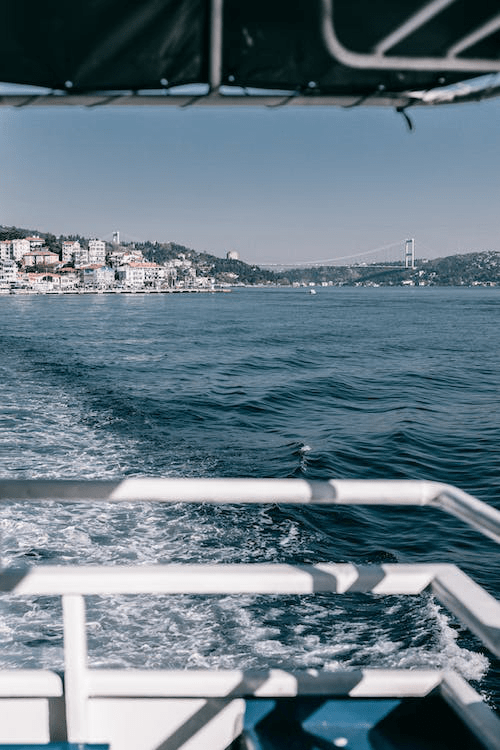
(34, 262)
(28, 265)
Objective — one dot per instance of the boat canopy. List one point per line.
(345, 52)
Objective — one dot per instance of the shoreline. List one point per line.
(58, 292)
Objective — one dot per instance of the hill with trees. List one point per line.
(468, 269)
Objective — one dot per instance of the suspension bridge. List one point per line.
(397, 255)
(394, 256)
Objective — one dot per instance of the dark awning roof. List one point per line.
(313, 51)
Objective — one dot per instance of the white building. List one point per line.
(40, 258)
(133, 256)
(205, 282)
(97, 251)
(115, 258)
(69, 250)
(35, 242)
(137, 274)
(167, 276)
(42, 282)
(81, 257)
(19, 248)
(5, 249)
(8, 271)
(97, 276)
(69, 278)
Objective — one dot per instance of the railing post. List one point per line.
(75, 667)
(215, 59)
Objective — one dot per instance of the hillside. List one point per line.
(222, 269)
(470, 269)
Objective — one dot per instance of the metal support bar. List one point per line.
(215, 60)
(380, 61)
(75, 667)
(476, 36)
(415, 21)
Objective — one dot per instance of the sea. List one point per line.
(259, 382)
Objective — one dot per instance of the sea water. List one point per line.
(347, 383)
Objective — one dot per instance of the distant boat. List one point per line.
(312, 291)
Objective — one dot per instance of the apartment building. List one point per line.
(20, 247)
(97, 252)
(8, 271)
(5, 249)
(40, 258)
(69, 250)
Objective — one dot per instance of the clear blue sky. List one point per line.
(278, 185)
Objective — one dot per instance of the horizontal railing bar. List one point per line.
(256, 578)
(358, 683)
(30, 683)
(473, 605)
(481, 516)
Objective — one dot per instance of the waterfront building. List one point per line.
(8, 271)
(97, 276)
(186, 279)
(167, 276)
(140, 274)
(151, 273)
(69, 278)
(205, 282)
(42, 282)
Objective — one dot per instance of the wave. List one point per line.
(249, 385)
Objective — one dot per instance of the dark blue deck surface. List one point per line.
(360, 724)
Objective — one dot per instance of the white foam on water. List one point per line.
(182, 631)
(324, 631)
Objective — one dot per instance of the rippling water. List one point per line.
(398, 383)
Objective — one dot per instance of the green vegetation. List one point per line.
(455, 270)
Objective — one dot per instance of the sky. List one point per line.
(285, 185)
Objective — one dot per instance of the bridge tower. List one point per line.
(409, 253)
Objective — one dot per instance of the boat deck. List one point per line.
(135, 709)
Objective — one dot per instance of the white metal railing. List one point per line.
(377, 59)
(481, 516)
(467, 600)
